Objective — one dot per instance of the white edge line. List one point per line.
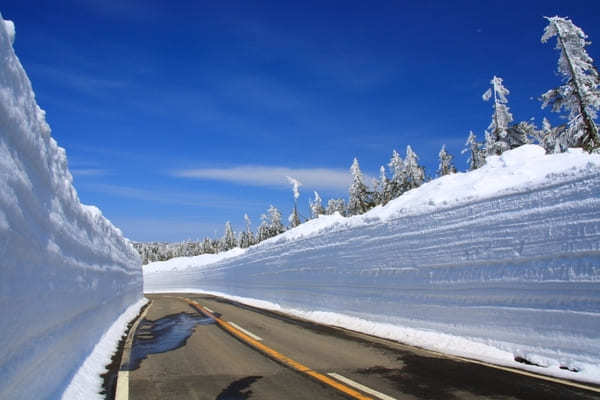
(358, 386)
(252, 335)
(122, 386)
(209, 310)
(122, 391)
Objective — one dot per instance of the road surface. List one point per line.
(180, 351)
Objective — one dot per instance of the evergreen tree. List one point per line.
(496, 135)
(247, 238)
(275, 225)
(294, 219)
(446, 166)
(316, 206)
(381, 193)
(358, 201)
(228, 241)
(207, 247)
(477, 155)
(397, 184)
(263, 228)
(580, 93)
(552, 138)
(413, 172)
(336, 205)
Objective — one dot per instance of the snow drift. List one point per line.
(499, 263)
(67, 273)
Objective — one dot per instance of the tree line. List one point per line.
(577, 99)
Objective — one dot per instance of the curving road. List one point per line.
(191, 346)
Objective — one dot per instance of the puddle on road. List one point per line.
(163, 335)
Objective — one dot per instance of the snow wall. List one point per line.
(66, 272)
(507, 257)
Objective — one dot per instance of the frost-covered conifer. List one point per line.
(228, 241)
(580, 93)
(476, 152)
(263, 228)
(316, 206)
(413, 172)
(552, 138)
(446, 166)
(496, 135)
(381, 192)
(358, 201)
(397, 184)
(294, 219)
(247, 237)
(207, 247)
(336, 205)
(275, 225)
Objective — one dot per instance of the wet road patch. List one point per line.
(163, 335)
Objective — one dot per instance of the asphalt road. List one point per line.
(179, 353)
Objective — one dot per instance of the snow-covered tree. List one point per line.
(476, 152)
(228, 241)
(336, 205)
(247, 238)
(446, 166)
(397, 184)
(358, 201)
(207, 247)
(496, 135)
(275, 225)
(294, 219)
(552, 138)
(580, 93)
(413, 172)
(381, 194)
(316, 206)
(263, 228)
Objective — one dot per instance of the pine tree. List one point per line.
(316, 206)
(358, 201)
(397, 184)
(275, 225)
(580, 93)
(263, 228)
(247, 237)
(207, 247)
(336, 205)
(496, 135)
(228, 241)
(413, 172)
(446, 166)
(552, 138)
(380, 193)
(294, 219)
(477, 154)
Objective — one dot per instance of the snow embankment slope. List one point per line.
(497, 263)
(67, 273)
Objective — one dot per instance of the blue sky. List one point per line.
(179, 116)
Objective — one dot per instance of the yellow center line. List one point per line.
(278, 356)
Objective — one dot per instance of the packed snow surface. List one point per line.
(67, 273)
(497, 263)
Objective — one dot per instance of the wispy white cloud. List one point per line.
(89, 172)
(316, 178)
(170, 197)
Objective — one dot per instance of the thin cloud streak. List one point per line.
(317, 178)
(160, 196)
(89, 172)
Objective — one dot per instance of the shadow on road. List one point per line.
(238, 390)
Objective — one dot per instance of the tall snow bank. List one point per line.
(66, 272)
(497, 264)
